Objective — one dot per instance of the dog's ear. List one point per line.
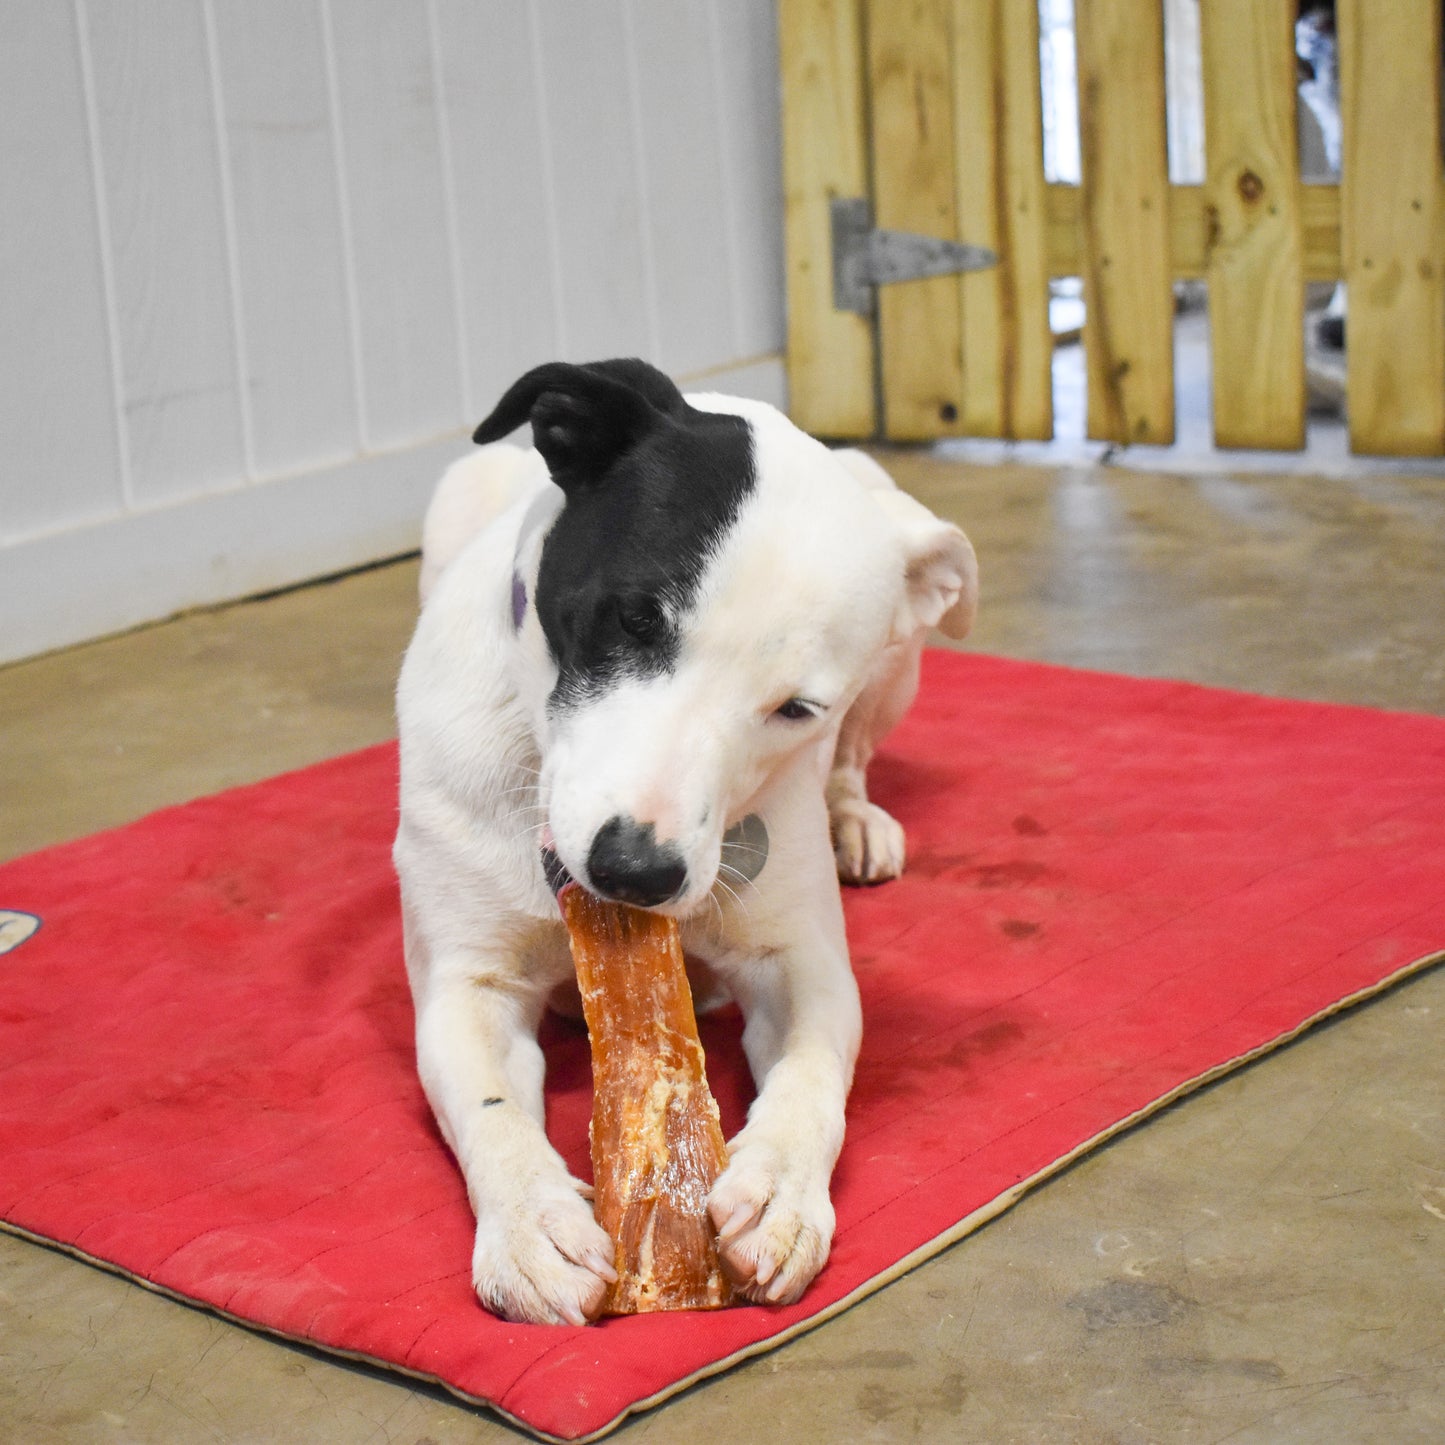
(583, 417)
(941, 572)
(644, 378)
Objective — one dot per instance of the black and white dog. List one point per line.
(1317, 52)
(655, 654)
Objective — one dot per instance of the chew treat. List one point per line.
(657, 1142)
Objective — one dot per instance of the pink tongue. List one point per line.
(548, 841)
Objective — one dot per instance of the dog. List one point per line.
(1317, 57)
(655, 654)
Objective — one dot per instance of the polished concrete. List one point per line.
(1264, 1262)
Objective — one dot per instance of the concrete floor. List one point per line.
(1264, 1262)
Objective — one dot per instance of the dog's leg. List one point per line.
(792, 978)
(539, 1255)
(868, 842)
(943, 592)
(771, 1205)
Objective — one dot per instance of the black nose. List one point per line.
(626, 862)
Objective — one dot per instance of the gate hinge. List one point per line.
(865, 257)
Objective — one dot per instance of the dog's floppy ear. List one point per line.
(941, 577)
(583, 417)
(942, 571)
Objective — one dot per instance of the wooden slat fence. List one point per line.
(932, 108)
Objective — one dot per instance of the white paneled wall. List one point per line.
(264, 263)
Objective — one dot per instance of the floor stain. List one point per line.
(1265, 1371)
(879, 1404)
(1129, 1304)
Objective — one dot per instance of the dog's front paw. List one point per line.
(867, 842)
(543, 1260)
(774, 1228)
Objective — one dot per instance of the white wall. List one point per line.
(264, 263)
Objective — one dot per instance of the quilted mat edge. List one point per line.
(969, 1224)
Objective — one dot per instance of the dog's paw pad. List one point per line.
(773, 1233)
(868, 842)
(545, 1262)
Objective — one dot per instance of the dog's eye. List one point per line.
(641, 618)
(796, 709)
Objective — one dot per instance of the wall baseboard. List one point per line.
(87, 582)
(62, 588)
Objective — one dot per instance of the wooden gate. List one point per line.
(932, 108)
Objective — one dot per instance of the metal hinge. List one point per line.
(865, 257)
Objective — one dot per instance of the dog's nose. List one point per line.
(626, 862)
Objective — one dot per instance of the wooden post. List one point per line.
(830, 353)
(919, 330)
(1255, 266)
(1393, 224)
(1128, 291)
(998, 140)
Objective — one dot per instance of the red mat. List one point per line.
(1118, 890)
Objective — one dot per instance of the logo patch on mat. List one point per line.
(15, 928)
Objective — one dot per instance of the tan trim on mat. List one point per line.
(966, 1226)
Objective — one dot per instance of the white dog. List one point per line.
(655, 655)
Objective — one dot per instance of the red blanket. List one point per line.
(1117, 890)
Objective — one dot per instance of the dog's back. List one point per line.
(472, 492)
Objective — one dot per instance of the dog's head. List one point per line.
(713, 595)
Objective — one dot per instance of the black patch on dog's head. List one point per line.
(651, 485)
